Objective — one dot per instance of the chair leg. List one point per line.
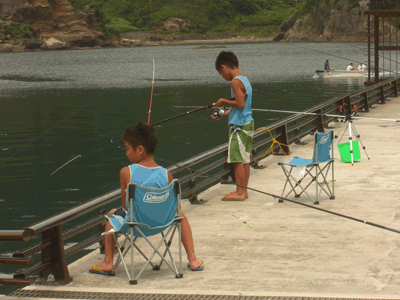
(131, 280)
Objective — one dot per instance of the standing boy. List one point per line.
(241, 123)
(140, 143)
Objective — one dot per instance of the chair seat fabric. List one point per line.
(298, 161)
(119, 222)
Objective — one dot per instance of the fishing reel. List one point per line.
(219, 112)
(347, 112)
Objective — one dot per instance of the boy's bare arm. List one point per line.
(124, 177)
(238, 91)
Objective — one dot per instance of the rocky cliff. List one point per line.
(328, 21)
(55, 19)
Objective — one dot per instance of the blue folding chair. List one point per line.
(150, 212)
(322, 149)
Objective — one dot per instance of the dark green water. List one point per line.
(55, 105)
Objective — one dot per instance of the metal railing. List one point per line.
(289, 130)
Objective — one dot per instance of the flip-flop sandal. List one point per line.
(244, 198)
(200, 268)
(100, 272)
(230, 198)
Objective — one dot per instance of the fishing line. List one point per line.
(282, 198)
(52, 127)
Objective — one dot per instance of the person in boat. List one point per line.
(326, 66)
(350, 67)
(140, 142)
(241, 123)
(361, 67)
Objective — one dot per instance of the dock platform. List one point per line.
(262, 249)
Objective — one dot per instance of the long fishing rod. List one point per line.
(314, 114)
(118, 137)
(285, 199)
(152, 87)
(324, 115)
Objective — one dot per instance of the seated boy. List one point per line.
(140, 143)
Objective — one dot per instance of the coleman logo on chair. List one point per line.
(152, 197)
(324, 139)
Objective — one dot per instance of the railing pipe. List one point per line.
(15, 235)
(73, 213)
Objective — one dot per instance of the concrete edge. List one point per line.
(204, 292)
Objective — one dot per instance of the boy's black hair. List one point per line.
(141, 134)
(226, 58)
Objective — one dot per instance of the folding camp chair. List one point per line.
(322, 146)
(150, 212)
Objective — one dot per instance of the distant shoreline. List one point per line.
(17, 46)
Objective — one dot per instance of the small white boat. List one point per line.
(341, 73)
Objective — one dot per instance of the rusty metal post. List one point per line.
(319, 121)
(394, 88)
(364, 101)
(376, 46)
(193, 196)
(369, 48)
(382, 94)
(230, 174)
(56, 253)
(282, 137)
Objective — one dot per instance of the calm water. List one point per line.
(55, 105)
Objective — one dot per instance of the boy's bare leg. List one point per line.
(109, 245)
(247, 177)
(187, 241)
(240, 177)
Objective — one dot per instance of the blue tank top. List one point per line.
(239, 116)
(149, 177)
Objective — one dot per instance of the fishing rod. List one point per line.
(347, 117)
(152, 86)
(119, 137)
(282, 198)
(313, 114)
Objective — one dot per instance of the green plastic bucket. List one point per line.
(344, 150)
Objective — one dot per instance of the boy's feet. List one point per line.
(102, 266)
(196, 265)
(234, 197)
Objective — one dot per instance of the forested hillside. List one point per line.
(258, 17)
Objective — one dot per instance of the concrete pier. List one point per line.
(264, 248)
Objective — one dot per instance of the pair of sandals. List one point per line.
(96, 270)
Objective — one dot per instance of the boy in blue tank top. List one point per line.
(241, 123)
(140, 143)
